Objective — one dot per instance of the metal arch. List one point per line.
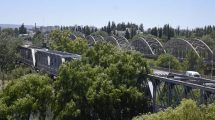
(142, 46)
(160, 44)
(102, 38)
(156, 45)
(112, 40)
(205, 45)
(91, 40)
(79, 34)
(73, 37)
(98, 38)
(183, 41)
(123, 42)
(202, 48)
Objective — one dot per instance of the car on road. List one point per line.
(192, 74)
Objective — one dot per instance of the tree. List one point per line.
(193, 62)
(109, 28)
(127, 34)
(62, 42)
(106, 77)
(28, 95)
(22, 29)
(160, 32)
(38, 39)
(154, 31)
(141, 28)
(78, 46)
(166, 61)
(113, 26)
(16, 31)
(8, 55)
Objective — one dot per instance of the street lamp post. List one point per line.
(212, 64)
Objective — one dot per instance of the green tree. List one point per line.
(106, 76)
(28, 95)
(109, 28)
(154, 31)
(61, 41)
(127, 34)
(8, 55)
(22, 29)
(38, 39)
(167, 60)
(141, 28)
(193, 62)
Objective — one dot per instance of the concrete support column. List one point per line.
(170, 87)
(186, 91)
(154, 96)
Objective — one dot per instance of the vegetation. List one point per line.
(26, 96)
(107, 83)
(61, 41)
(39, 40)
(193, 62)
(187, 110)
(168, 61)
(22, 29)
(8, 55)
(105, 76)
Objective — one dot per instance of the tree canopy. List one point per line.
(104, 77)
(26, 96)
(166, 61)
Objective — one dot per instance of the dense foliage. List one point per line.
(168, 61)
(187, 110)
(102, 85)
(27, 96)
(105, 84)
(60, 40)
(8, 55)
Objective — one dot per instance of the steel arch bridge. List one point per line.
(75, 35)
(91, 40)
(112, 40)
(202, 48)
(149, 47)
(123, 42)
(180, 47)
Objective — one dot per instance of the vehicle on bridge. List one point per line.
(45, 59)
(192, 74)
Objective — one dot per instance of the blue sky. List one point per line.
(186, 13)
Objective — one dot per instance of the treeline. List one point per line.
(166, 32)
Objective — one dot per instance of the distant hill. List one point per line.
(13, 26)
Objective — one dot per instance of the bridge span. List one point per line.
(168, 89)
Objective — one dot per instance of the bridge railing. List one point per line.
(182, 72)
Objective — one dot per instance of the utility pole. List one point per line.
(169, 66)
(212, 64)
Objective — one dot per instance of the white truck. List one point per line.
(192, 74)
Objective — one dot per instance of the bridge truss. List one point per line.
(180, 47)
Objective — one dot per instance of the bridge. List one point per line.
(165, 88)
(168, 89)
(152, 47)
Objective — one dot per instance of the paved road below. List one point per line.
(160, 72)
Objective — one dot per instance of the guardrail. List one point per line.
(183, 72)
